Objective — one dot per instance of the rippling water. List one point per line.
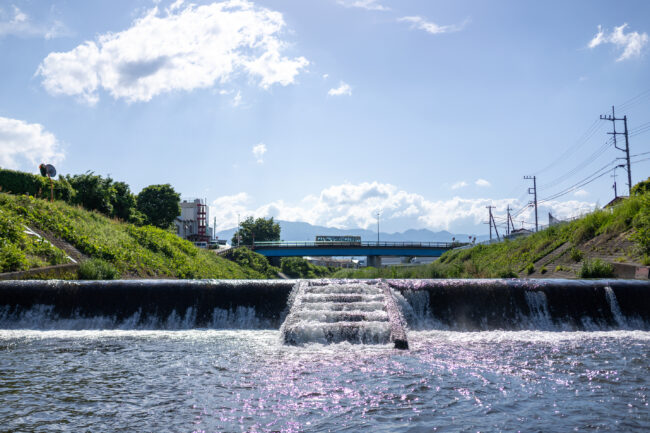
(205, 380)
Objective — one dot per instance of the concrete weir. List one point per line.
(333, 312)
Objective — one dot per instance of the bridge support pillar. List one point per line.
(374, 261)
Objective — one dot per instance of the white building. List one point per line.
(192, 224)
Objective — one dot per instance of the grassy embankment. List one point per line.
(110, 247)
(586, 247)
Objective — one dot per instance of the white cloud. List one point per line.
(25, 145)
(420, 23)
(184, 48)
(325, 76)
(631, 43)
(581, 193)
(354, 205)
(458, 185)
(482, 183)
(18, 23)
(343, 89)
(258, 151)
(236, 101)
(372, 5)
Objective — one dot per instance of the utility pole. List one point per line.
(238, 230)
(509, 221)
(378, 214)
(614, 186)
(534, 192)
(613, 119)
(492, 223)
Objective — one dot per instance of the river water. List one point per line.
(246, 380)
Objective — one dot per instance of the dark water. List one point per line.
(207, 380)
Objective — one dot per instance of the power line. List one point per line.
(586, 136)
(591, 158)
(634, 100)
(596, 175)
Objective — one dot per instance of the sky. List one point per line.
(330, 111)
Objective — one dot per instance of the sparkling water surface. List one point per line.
(233, 381)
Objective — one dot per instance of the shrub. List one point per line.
(18, 182)
(297, 267)
(12, 259)
(508, 273)
(97, 269)
(596, 269)
(560, 268)
(530, 268)
(543, 270)
(575, 254)
(247, 258)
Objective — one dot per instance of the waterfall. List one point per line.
(539, 318)
(333, 313)
(615, 309)
(44, 317)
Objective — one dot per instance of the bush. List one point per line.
(530, 268)
(247, 258)
(508, 273)
(596, 269)
(543, 270)
(97, 269)
(575, 254)
(12, 259)
(297, 267)
(18, 182)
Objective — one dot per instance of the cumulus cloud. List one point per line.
(18, 23)
(354, 205)
(581, 193)
(182, 48)
(420, 23)
(258, 152)
(458, 185)
(631, 43)
(343, 89)
(372, 5)
(482, 183)
(25, 145)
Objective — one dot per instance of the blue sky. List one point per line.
(327, 111)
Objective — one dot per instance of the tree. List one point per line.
(159, 204)
(260, 230)
(93, 192)
(641, 187)
(123, 201)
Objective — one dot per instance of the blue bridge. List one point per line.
(373, 250)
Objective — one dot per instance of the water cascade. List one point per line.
(331, 312)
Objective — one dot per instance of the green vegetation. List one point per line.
(543, 270)
(18, 182)
(249, 259)
(433, 270)
(133, 251)
(596, 269)
(19, 251)
(97, 269)
(256, 230)
(575, 254)
(159, 205)
(297, 267)
(530, 268)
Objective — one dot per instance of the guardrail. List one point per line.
(325, 244)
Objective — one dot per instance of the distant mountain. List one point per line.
(301, 231)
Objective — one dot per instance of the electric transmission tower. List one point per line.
(612, 118)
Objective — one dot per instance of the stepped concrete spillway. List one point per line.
(333, 312)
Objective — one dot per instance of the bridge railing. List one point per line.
(325, 244)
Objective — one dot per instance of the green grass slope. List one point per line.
(136, 252)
